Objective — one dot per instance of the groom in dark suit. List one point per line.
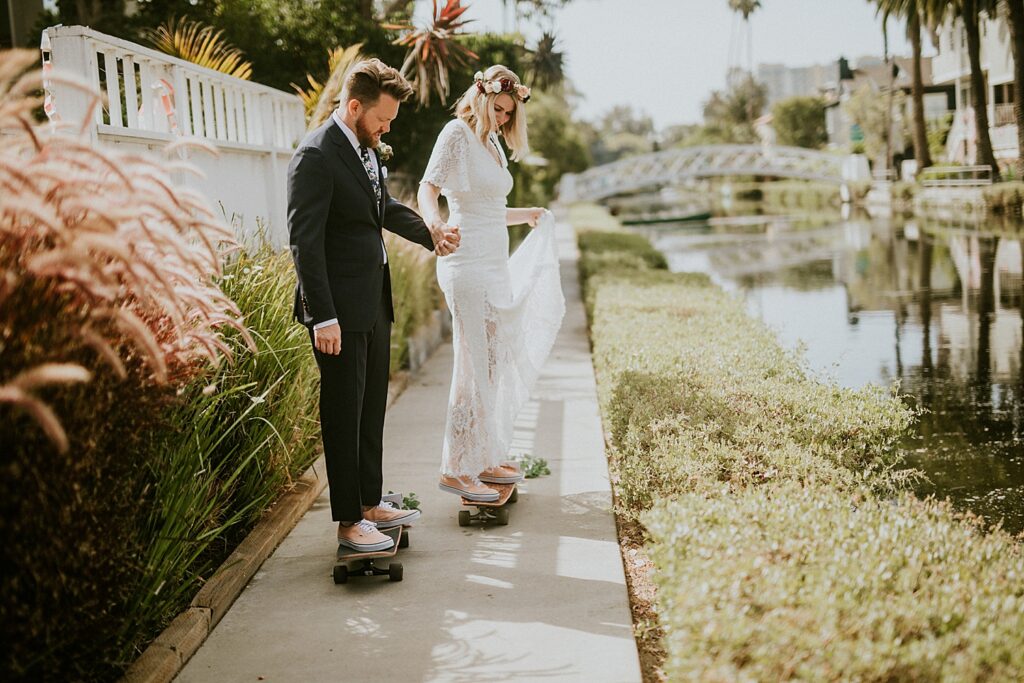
(338, 204)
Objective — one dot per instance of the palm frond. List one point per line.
(200, 44)
(320, 98)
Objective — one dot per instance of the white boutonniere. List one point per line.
(384, 150)
(384, 172)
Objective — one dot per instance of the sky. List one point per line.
(666, 56)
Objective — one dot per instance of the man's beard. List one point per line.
(364, 135)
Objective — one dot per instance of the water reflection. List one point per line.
(937, 309)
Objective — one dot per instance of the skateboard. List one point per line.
(354, 563)
(496, 512)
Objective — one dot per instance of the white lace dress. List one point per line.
(505, 311)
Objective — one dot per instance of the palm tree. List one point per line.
(745, 8)
(547, 65)
(1015, 18)
(911, 11)
(433, 49)
(969, 11)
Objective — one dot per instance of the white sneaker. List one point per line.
(363, 537)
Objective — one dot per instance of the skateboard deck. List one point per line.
(495, 511)
(349, 562)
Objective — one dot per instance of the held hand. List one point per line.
(448, 242)
(328, 339)
(534, 215)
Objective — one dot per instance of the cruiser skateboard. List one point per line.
(496, 512)
(351, 562)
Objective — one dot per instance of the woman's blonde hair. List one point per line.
(476, 108)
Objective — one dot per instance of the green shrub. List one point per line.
(1004, 199)
(801, 194)
(783, 541)
(792, 581)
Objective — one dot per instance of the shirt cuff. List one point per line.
(326, 323)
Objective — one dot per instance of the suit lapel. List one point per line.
(351, 159)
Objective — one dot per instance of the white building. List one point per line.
(952, 65)
(783, 82)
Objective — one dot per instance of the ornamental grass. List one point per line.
(774, 505)
(141, 435)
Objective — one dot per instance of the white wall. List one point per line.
(253, 128)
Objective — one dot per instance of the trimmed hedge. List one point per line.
(784, 543)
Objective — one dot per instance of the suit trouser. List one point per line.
(353, 399)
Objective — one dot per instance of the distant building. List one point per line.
(19, 18)
(875, 74)
(783, 82)
(952, 66)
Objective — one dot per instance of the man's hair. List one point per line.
(369, 78)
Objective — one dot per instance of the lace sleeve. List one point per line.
(447, 167)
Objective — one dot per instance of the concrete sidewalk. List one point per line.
(542, 598)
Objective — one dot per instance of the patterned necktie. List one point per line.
(368, 165)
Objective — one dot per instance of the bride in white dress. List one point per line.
(505, 311)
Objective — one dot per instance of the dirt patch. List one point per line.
(642, 597)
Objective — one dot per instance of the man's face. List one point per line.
(374, 121)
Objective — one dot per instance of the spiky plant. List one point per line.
(320, 98)
(433, 50)
(200, 44)
(127, 257)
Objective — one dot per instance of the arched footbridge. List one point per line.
(676, 166)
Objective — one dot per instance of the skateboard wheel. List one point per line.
(340, 574)
(464, 518)
(515, 495)
(395, 571)
(501, 516)
(404, 541)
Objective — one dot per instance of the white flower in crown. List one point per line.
(478, 76)
(495, 87)
(384, 150)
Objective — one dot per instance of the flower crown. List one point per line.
(499, 85)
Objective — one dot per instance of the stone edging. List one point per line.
(167, 655)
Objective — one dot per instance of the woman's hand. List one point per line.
(533, 215)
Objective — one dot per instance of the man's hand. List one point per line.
(328, 339)
(446, 238)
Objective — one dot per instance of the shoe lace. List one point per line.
(366, 526)
(387, 505)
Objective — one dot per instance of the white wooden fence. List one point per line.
(151, 98)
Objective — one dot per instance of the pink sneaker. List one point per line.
(386, 515)
(502, 474)
(468, 488)
(363, 537)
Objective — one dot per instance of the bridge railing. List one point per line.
(151, 98)
(678, 165)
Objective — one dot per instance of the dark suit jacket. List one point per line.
(335, 232)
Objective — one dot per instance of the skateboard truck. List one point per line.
(495, 512)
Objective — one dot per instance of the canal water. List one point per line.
(937, 309)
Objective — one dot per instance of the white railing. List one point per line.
(151, 98)
(1003, 115)
(206, 103)
(956, 176)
